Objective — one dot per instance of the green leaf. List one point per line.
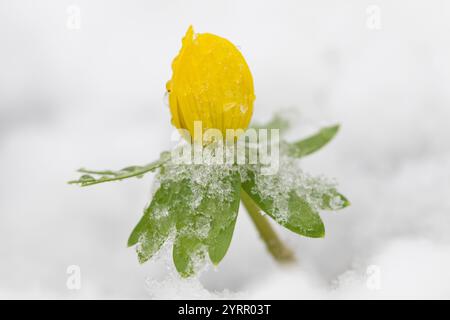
(301, 218)
(220, 243)
(189, 242)
(223, 216)
(88, 179)
(209, 228)
(203, 228)
(313, 143)
(155, 226)
(160, 199)
(189, 238)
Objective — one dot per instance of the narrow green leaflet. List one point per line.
(206, 230)
(301, 219)
(223, 216)
(313, 143)
(91, 177)
(190, 242)
(159, 218)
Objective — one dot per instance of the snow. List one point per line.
(94, 98)
(203, 180)
(291, 178)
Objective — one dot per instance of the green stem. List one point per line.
(274, 245)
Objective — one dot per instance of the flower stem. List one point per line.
(274, 245)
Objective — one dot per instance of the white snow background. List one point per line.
(93, 97)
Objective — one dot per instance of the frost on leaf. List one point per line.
(292, 197)
(199, 204)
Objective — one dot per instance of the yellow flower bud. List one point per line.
(211, 83)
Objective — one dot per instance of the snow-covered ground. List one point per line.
(94, 97)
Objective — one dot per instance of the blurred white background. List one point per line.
(93, 96)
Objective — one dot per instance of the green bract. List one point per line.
(196, 206)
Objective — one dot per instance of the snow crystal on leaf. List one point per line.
(336, 203)
(197, 198)
(291, 178)
(203, 180)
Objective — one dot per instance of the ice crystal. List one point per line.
(291, 178)
(206, 179)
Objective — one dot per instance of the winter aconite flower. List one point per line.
(211, 83)
(195, 205)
